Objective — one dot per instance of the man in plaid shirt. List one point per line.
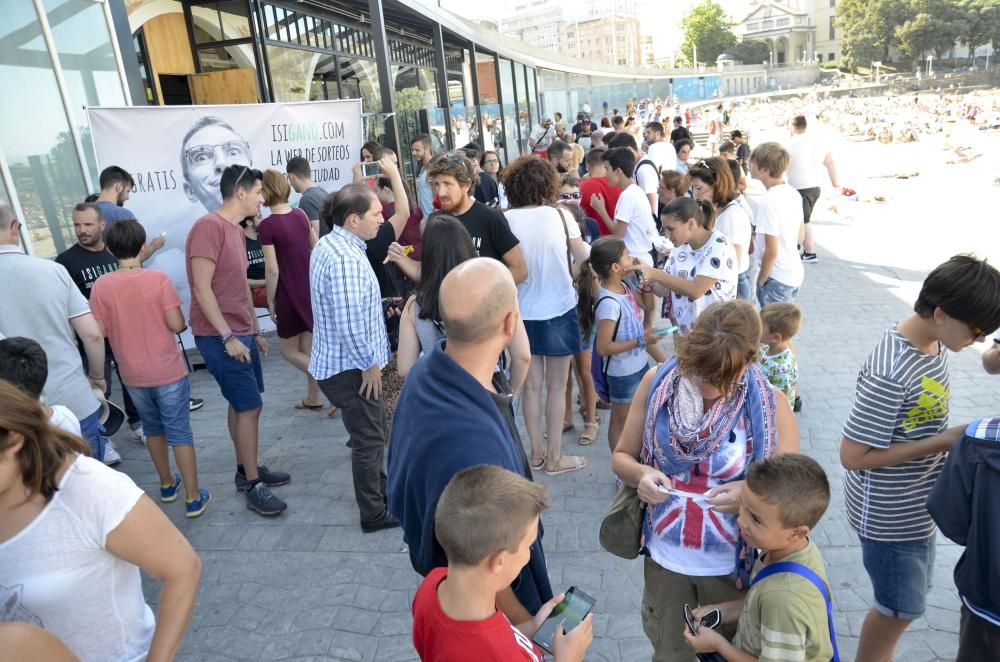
(350, 344)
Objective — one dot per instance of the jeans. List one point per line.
(743, 288)
(241, 383)
(774, 292)
(90, 430)
(166, 411)
(901, 574)
(364, 420)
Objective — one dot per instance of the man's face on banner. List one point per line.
(206, 154)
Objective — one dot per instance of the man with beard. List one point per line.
(452, 177)
(560, 155)
(116, 183)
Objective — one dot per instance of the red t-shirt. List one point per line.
(439, 638)
(589, 187)
(221, 242)
(133, 307)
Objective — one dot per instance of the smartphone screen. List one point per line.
(574, 608)
(371, 169)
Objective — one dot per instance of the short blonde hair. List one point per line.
(771, 157)
(484, 510)
(275, 188)
(578, 155)
(781, 318)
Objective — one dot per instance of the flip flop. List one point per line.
(332, 411)
(568, 426)
(302, 405)
(541, 462)
(577, 462)
(585, 438)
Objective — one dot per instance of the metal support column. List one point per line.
(124, 50)
(474, 70)
(386, 85)
(441, 64)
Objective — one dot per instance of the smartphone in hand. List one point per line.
(569, 613)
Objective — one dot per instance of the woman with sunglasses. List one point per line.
(553, 250)
(712, 180)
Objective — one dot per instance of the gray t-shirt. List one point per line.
(311, 203)
(902, 396)
(38, 299)
(112, 213)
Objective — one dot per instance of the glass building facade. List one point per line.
(416, 68)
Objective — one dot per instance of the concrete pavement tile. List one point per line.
(353, 647)
(315, 642)
(396, 647)
(352, 619)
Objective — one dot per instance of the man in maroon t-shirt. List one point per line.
(596, 183)
(225, 327)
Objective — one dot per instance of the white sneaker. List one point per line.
(111, 456)
(138, 435)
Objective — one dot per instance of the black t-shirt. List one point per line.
(377, 249)
(578, 128)
(487, 190)
(680, 133)
(86, 266)
(743, 153)
(255, 259)
(489, 230)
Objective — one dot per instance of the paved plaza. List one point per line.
(310, 586)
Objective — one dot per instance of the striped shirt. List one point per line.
(902, 396)
(348, 326)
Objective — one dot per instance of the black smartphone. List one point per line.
(574, 608)
(709, 620)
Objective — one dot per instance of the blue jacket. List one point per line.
(963, 502)
(444, 422)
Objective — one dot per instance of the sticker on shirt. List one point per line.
(12, 608)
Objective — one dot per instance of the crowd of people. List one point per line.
(420, 317)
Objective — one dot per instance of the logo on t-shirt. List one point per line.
(932, 404)
(524, 642)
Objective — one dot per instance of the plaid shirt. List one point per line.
(348, 327)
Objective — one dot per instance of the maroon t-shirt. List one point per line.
(220, 241)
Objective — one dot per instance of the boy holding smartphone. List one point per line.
(486, 521)
(784, 615)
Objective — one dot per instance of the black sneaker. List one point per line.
(809, 257)
(262, 501)
(194, 404)
(386, 521)
(268, 477)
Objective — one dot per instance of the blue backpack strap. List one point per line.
(807, 573)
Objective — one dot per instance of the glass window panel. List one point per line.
(35, 136)
(532, 93)
(221, 20)
(359, 79)
(292, 73)
(510, 141)
(83, 42)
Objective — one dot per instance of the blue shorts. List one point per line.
(165, 411)
(621, 389)
(901, 574)
(772, 291)
(241, 383)
(559, 336)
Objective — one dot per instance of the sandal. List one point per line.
(541, 462)
(584, 415)
(576, 462)
(567, 426)
(303, 405)
(332, 411)
(586, 438)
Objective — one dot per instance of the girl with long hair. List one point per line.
(612, 312)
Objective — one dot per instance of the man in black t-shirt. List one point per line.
(452, 176)
(742, 149)
(680, 132)
(86, 261)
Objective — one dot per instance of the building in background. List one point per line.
(797, 31)
(828, 47)
(613, 40)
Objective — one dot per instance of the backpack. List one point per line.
(806, 573)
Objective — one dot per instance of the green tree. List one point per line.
(868, 28)
(753, 51)
(934, 25)
(977, 22)
(707, 27)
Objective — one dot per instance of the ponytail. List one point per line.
(702, 211)
(586, 297)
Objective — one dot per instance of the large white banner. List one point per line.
(178, 153)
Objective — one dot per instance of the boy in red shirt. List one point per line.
(139, 312)
(597, 184)
(486, 521)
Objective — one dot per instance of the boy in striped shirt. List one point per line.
(895, 439)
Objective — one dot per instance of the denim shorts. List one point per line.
(901, 574)
(774, 292)
(241, 383)
(165, 411)
(559, 336)
(621, 389)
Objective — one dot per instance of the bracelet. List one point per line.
(258, 333)
(89, 376)
(226, 338)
